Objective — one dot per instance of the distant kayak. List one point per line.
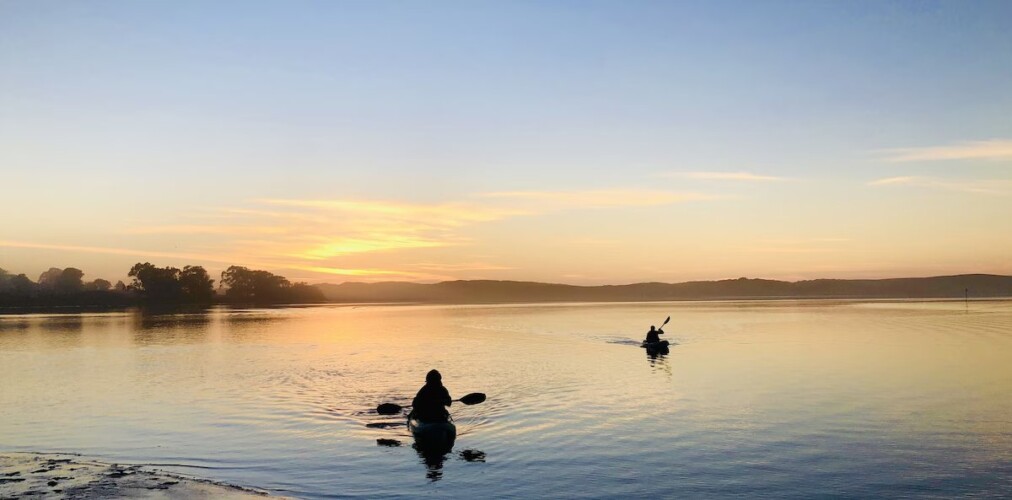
(434, 436)
(656, 346)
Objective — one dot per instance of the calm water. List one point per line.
(779, 399)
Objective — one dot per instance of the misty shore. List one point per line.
(64, 475)
(964, 286)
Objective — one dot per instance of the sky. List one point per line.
(575, 142)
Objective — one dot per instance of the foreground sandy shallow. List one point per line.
(58, 475)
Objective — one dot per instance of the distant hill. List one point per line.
(490, 292)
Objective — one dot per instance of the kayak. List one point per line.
(655, 346)
(437, 436)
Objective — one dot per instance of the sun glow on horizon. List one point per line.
(475, 142)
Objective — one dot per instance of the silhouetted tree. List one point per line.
(303, 293)
(246, 285)
(169, 285)
(197, 286)
(22, 285)
(16, 290)
(62, 287)
(156, 284)
(99, 285)
(70, 281)
(48, 279)
(152, 285)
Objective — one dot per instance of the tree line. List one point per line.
(153, 285)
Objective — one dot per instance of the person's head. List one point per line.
(653, 328)
(433, 377)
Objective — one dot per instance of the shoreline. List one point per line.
(45, 311)
(69, 475)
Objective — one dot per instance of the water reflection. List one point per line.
(434, 457)
(150, 327)
(14, 324)
(431, 455)
(658, 360)
(63, 324)
(653, 354)
(384, 425)
(433, 461)
(473, 456)
(896, 396)
(252, 324)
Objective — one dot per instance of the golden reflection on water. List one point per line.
(861, 386)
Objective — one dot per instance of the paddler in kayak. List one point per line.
(653, 335)
(432, 399)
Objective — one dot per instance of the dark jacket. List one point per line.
(653, 336)
(430, 403)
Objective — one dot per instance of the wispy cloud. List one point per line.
(726, 176)
(321, 229)
(994, 149)
(111, 251)
(324, 236)
(230, 259)
(547, 200)
(370, 273)
(205, 229)
(978, 186)
(448, 214)
(379, 242)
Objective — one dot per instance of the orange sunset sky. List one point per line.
(585, 143)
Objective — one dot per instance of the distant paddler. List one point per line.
(654, 335)
(653, 342)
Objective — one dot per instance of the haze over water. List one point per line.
(782, 399)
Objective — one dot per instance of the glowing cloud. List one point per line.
(984, 186)
(205, 229)
(368, 273)
(725, 176)
(345, 246)
(323, 236)
(994, 149)
(598, 198)
(448, 214)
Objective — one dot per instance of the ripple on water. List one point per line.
(785, 400)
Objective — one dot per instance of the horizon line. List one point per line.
(662, 282)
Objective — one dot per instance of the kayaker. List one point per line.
(653, 335)
(432, 399)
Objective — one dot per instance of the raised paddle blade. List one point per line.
(473, 398)
(666, 320)
(388, 409)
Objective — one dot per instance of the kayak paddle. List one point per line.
(393, 409)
